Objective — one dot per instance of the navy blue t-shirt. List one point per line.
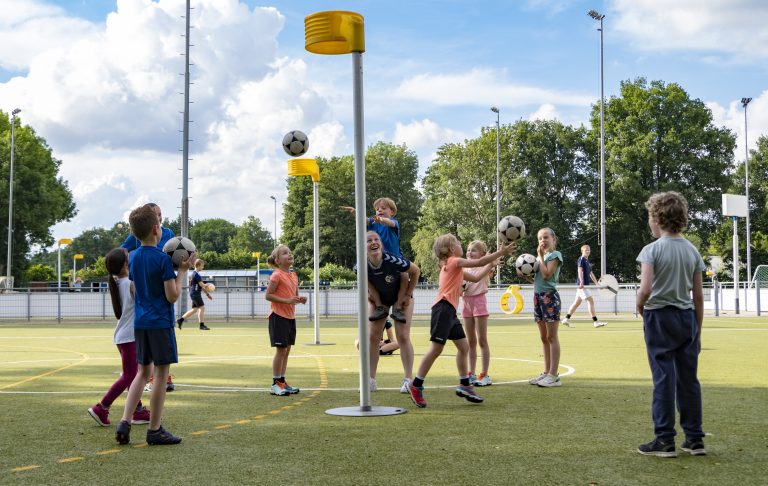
(386, 277)
(149, 268)
(586, 268)
(194, 287)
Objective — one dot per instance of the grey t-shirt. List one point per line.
(674, 261)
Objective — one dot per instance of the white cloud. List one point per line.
(546, 111)
(482, 87)
(737, 28)
(424, 134)
(732, 117)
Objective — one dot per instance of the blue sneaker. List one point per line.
(123, 433)
(468, 392)
(292, 390)
(658, 448)
(161, 437)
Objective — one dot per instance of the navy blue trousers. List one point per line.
(672, 343)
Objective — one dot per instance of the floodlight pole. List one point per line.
(9, 278)
(185, 157)
(603, 250)
(736, 262)
(744, 103)
(341, 32)
(498, 187)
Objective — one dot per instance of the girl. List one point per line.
(283, 295)
(546, 306)
(475, 312)
(121, 293)
(445, 325)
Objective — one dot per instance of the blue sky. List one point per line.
(98, 79)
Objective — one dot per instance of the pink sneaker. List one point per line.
(140, 415)
(100, 415)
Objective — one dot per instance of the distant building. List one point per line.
(238, 280)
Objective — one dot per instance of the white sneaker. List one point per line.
(372, 384)
(405, 385)
(567, 323)
(484, 381)
(549, 380)
(600, 323)
(537, 379)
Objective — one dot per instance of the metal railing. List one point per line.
(231, 303)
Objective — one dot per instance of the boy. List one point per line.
(196, 289)
(388, 229)
(584, 277)
(156, 289)
(670, 270)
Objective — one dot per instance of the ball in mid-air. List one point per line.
(511, 228)
(295, 143)
(178, 248)
(526, 265)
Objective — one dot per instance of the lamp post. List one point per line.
(603, 251)
(63, 241)
(274, 233)
(8, 279)
(744, 103)
(498, 184)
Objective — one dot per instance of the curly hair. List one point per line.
(669, 209)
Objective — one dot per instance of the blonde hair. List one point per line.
(554, 237)
(443, 246)
(480, 245)
(199, 262)
(387, 202)
(272, 259)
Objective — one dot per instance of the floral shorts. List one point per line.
(546, 306)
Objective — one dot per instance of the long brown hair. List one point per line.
(114, 261)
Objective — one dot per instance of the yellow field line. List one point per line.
(25, 468)
(84, 356)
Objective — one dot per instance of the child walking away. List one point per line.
(196, 290)
(383, 222)
(584, 277)
(671, 301)
(546, 306)
(283, 295)
(475, 312)
(445, 325)
(157, 287)
(121, 293)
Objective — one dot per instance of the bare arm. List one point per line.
(413, 279)
(548, 269)
(594, 279)
(489, 258)
(644, 292)
(173, 287)
(270, 296)
(698, 299)
(469, 277)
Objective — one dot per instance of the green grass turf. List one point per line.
(584, 432)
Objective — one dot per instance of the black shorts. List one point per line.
(445, 324)
(197, 300)
(156, 346)
(282, 331)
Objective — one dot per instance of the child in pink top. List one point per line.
(445, 325)
(283, 295)
(475, 312)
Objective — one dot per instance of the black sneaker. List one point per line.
(179, 322)
(398, 315)
(658, 448)
(161, 437)
(378, 313)
(694, 447)
(203, 327)
(123, 433)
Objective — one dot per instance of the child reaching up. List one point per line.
(283, 295)
(475, 312)
(445, 325)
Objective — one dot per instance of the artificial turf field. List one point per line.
(584, 432)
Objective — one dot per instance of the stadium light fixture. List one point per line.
(603, 250)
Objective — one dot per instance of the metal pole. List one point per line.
(498, 186)
(736, 263)
(603, 249)
(316, 249)
(362, 260)
(274, 231)
(8, 279)
(745, 102)
(185, 155)
(58, 288)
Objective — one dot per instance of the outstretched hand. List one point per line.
(348, 209)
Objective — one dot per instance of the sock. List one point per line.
(464, 380)
(281, 379)
(567, 316)
(418, 381)
(202, 323)
(594, 318)
(275, 379)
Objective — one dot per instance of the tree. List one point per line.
(658, 139)
(41, 198)
(212, 234)
(252, 236)
(391, 171)
(40, 273)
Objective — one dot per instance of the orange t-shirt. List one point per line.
(287, 287)
(449, 284)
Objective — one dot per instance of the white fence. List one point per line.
(241, 303)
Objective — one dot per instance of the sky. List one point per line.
(100, 81)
